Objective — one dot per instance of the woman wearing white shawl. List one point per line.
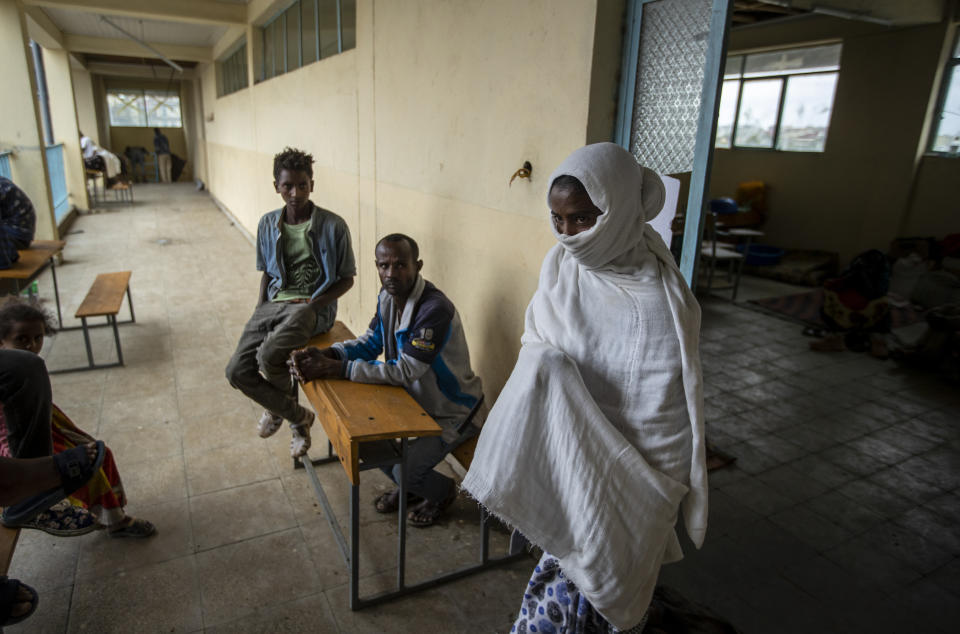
(596, 441)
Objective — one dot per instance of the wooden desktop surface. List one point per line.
(352, 413)
(32, 259)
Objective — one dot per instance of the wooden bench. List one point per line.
(104, 299)
(123, 191)
(8, 543)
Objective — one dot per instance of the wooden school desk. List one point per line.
(357, 418)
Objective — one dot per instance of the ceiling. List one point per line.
(159, 31)
(884, 12)
(189, 29)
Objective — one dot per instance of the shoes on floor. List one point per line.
(300, 442)
(135, 528)
(68, 521)
(269, 424)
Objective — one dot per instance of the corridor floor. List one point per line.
(841, 513)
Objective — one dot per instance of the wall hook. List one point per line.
(523, 172)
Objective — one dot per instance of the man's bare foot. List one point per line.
(91, 451)
(24, 602)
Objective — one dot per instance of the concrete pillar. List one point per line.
(63, 113)
(84, 103)
(20, 127)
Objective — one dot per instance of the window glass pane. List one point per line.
(268, 69)
(794, 60)
(278, 52)
(947, 137)
(732, 69)
(727, 113)
(163, 110)
(328, 27)
(308, 26)
(806, 112)
(956, 48)
(293, 37)
(348, 16)
(126, 108)
(757, 121)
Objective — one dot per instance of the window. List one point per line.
(946, 132)
(233, 72)
(307, 31)
(778, 99)
(144, 108)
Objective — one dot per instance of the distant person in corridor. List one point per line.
(307, 262)
(161, 145)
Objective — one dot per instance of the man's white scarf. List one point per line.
(597, 439)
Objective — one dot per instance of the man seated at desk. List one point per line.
(419, 331)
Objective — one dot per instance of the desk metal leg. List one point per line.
(352, 557)
(354, 546)
(484, 536)
(130, 303)
(402, 519)
(116, 337)
(86, 340)
(743, 260)
(56, 289)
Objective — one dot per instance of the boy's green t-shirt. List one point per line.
(301, 267)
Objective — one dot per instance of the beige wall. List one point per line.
(20, 129)
(63, 116)
(855, 195)
(412, 134)
(83, 98)
(936, 206)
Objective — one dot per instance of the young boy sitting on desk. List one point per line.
(307, 262)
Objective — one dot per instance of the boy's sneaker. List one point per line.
(301, 434)
(269, 424)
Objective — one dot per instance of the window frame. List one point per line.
(269, 54)
(224, 69)
(784, 81)
(953, 60)
(141, 96)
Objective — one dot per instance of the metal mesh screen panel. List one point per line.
(673, 46)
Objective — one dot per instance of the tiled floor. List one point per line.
(840, 515)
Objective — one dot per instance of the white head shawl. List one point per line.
(630, 196)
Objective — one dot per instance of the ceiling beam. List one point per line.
(129, 48)
(42, 30)
(137, 70)
(196, 11)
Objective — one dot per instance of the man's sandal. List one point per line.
(134, 528)
(9, 588)
(75, 469)
(389, 502)
(427, 513)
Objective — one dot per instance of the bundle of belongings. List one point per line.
(18, 221)
(927, 274)
(101, 160)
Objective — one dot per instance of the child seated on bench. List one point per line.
(22, 327)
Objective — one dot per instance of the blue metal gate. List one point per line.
(58, 181)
